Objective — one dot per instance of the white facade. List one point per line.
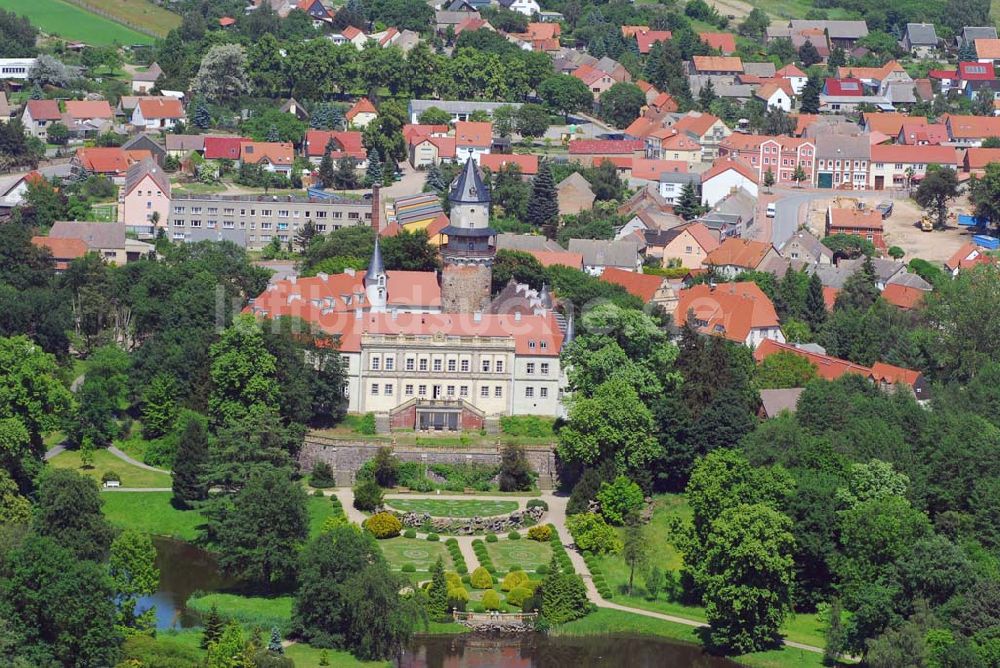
(758, 335)
(779, 100)
(151, 123)
(16, 68)
(720, 186)
(527, 7)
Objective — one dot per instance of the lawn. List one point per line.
(421, 553)
(528, 554)
(68, 21)
(104, 213)
(250, 610)
(606, 622)
(801, 628)
(195, 188)
(454, 507)
(151, 512)
(131, 476)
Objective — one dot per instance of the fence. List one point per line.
(117, 19)
(495, 618)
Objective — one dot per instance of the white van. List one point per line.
(770, 210)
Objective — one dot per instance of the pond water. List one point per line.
(537, 651)
(186, 569)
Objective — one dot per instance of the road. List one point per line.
(788, 208)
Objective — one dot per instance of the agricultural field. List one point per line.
(141, 13)
(454, 507)
(62, 19)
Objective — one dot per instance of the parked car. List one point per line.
(885, 208)
(771, 210)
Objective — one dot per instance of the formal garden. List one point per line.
(453, 507)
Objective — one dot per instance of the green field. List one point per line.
(142, 13)
(250, 610)
(528, 554)
(62, 19)
(453, 507)
(131, 476)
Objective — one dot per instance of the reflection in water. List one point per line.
(184, 569)
(537, 651)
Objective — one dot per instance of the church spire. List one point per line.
(375, 266)
(468, 187)
(376, 287)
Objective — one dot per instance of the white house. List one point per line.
(795, 76)
(774, 96)
(157, 113)
(16, 68)
(526, 7)
(725, 177)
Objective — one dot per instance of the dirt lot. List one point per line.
(901, 229)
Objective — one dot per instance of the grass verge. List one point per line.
(151, 512)
(261, 611)
(131, 476)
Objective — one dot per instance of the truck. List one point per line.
(926, 225)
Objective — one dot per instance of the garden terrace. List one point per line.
(454, 507)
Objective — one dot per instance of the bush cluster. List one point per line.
(491, 538)
(456, 556)
(367, 495)
(537, 503)
(541, 533)
(593, 534)
(481, 578)
(410, 533)
(479, 547)
(513, 579)
(597, 575)
(409, 568)
(513, 535)
(491, 600)
(383, 525)
(322, 476)
(433, 537)
(559, 553)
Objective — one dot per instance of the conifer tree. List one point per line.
(213, 627)
(688, 205)
(374, 173)
(36, 92)
(274, 645)
(809, 104)
(346, 176)
(435, 180)
(437, 597)
(769, 179)
(326, 172)
(815, 312)
(337, 119)
(189, 463)
(304, 237)
(706, 96)
(201, 118)
(543, 205)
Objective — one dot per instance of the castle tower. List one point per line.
(376, 284)
(468, 256)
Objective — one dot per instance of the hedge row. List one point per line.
(484, 557)
(559, 552)
(597, 575)
(456, 556)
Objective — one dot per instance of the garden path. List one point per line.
(134, 462)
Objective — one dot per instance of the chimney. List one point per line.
(376, 209)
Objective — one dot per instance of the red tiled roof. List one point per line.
(223, 148)
(904, 153)
(664, 102)
(923, 134)
(350, 32)
(496, 161)
(723, 41)
(790, 70)
(976, 71)
(943, 74)
(606, 146)
(276, 153)
(827, 367)
(966, 257)
(111, 160)
(62, 249)
(973, 127)
(722, 165)
(731, 310)
(696, 123)
(643, 286)
(413, 131)
(704, 237)
(562, 258)
(988, 49)
(83, 109)
(889, 122)
(542, 31)
(717, 63)
(855, 219)
(651, 170)
(44, 110)
(227, 21)
(903, 296)
(362, 106)
(473, 133)
(830, 297)
(647, 38)
(589, 74)
(738, 253)
(671, 139)
(161, 107)
(847, 87)
(887, 373)
(346, 143)
(978, 158)
(875, 73)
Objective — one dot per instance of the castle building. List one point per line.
(425, 355)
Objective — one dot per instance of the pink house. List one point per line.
(146, 196)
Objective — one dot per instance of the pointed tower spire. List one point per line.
(570, 328)
(545, 296)
(469, 187)
(375, 281)
(375, 265)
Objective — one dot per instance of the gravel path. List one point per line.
(125, 458)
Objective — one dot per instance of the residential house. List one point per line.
(526, 163)
(971, 33)
(843, 87)
(6, 111)
(143, 142)
(526, 7)
(317, 11)
(806, 248)
(87, 118)
(645, 37)
(968, 256)
(614, 69)
(445, 18)
(856, 222)
(574, 194)
(920, 39)
(774, 96)
(223, 147)
(431, 149)
(157, 113)
(876, 79)
(775, 402)
(974, 160)
(143, 81)
(671, 182)
(276, 157)
(460, 110)
(144, 200)
(919, 134)
(292, 106)
(686, 245)
(889, 123)
(646, 223)
(63, 251)
(362, 113)
(735, 256)
(39, 115)
(827, 367)
(739, 312)
(988, 50)
(14, 188)
(887, 377)
(112, 162)
(724, 42)
(708, 130)
(779, 155)
(725, 177)
(179, 146)
(717, 65)
(796, 77)
(650, 289)
(844, 34)
(598, 81)
(897, 166)
(600, 254)
(351, 35)
(674, 145)
(346, 144)
(842, 161)
(108, 240)
(472, 139)
(971, 130)
(733, 216)
(594, 151)
(904, 297)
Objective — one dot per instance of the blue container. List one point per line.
(965, 220)
(986, 241)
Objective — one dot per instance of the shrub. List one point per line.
(481, 578)
(542, 533)
(515, 567)
(108, 476)
(322, 476)
(433, 537)
(467, 579)
(453, 579)
(386, 468)
(491, 600)
(516, 473)
(491, 538)
(383, 525)
(518, 595)
(458, 597)
(542, 570)
(513, 535)
(564, 598)
(478, 607)
(318, 492)
(409, 568)
(410, 533)
(515, 579)
(591, 532)
(367, 495)
(537, 503)
(366, 425)
(620, 499)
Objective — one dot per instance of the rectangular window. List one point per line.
(422, 390)
(543, 392)
(498, 391)
(530, 367)
(390, 363)
(376, 363)
(423, 364)
(486, 365)
(437, 365)
(545, 368)
(484, 391)
(465, 366)
(499, 366)
(409, 364)
(408, 390)
(374, 389)
(451, 390)
(463, 391)
(388, 389)
(529, 392)
(451, 366)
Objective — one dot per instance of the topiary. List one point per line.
(481, 578)
(491, 538)
(458, 597)
(491, 600)
(409, 568)
(410, 533)
(433, 537)
(512, 580)
(542, 533)
(518, 595)
(383, 525)
(537, 503)
(513, 535)
(453, 579)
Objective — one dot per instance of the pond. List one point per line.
(537, 651)
(186, 568)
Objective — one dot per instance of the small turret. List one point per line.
(376, 281)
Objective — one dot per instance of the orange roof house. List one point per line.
(562, 258)
(275, 156)
(113, 161)
(717, 64)
(650, 289)
(827, 367)
(63, 250)
(722, 41)
(966, 257)
(527, 163)
(161, 107)
(735, 255)
(473, 134)
(865, 223)
(739, 312)
(890, 122)
(362, 113)
(988, 49)
(88, 109)
(971, 129)
(903, 296)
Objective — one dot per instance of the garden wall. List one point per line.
(346, 457)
